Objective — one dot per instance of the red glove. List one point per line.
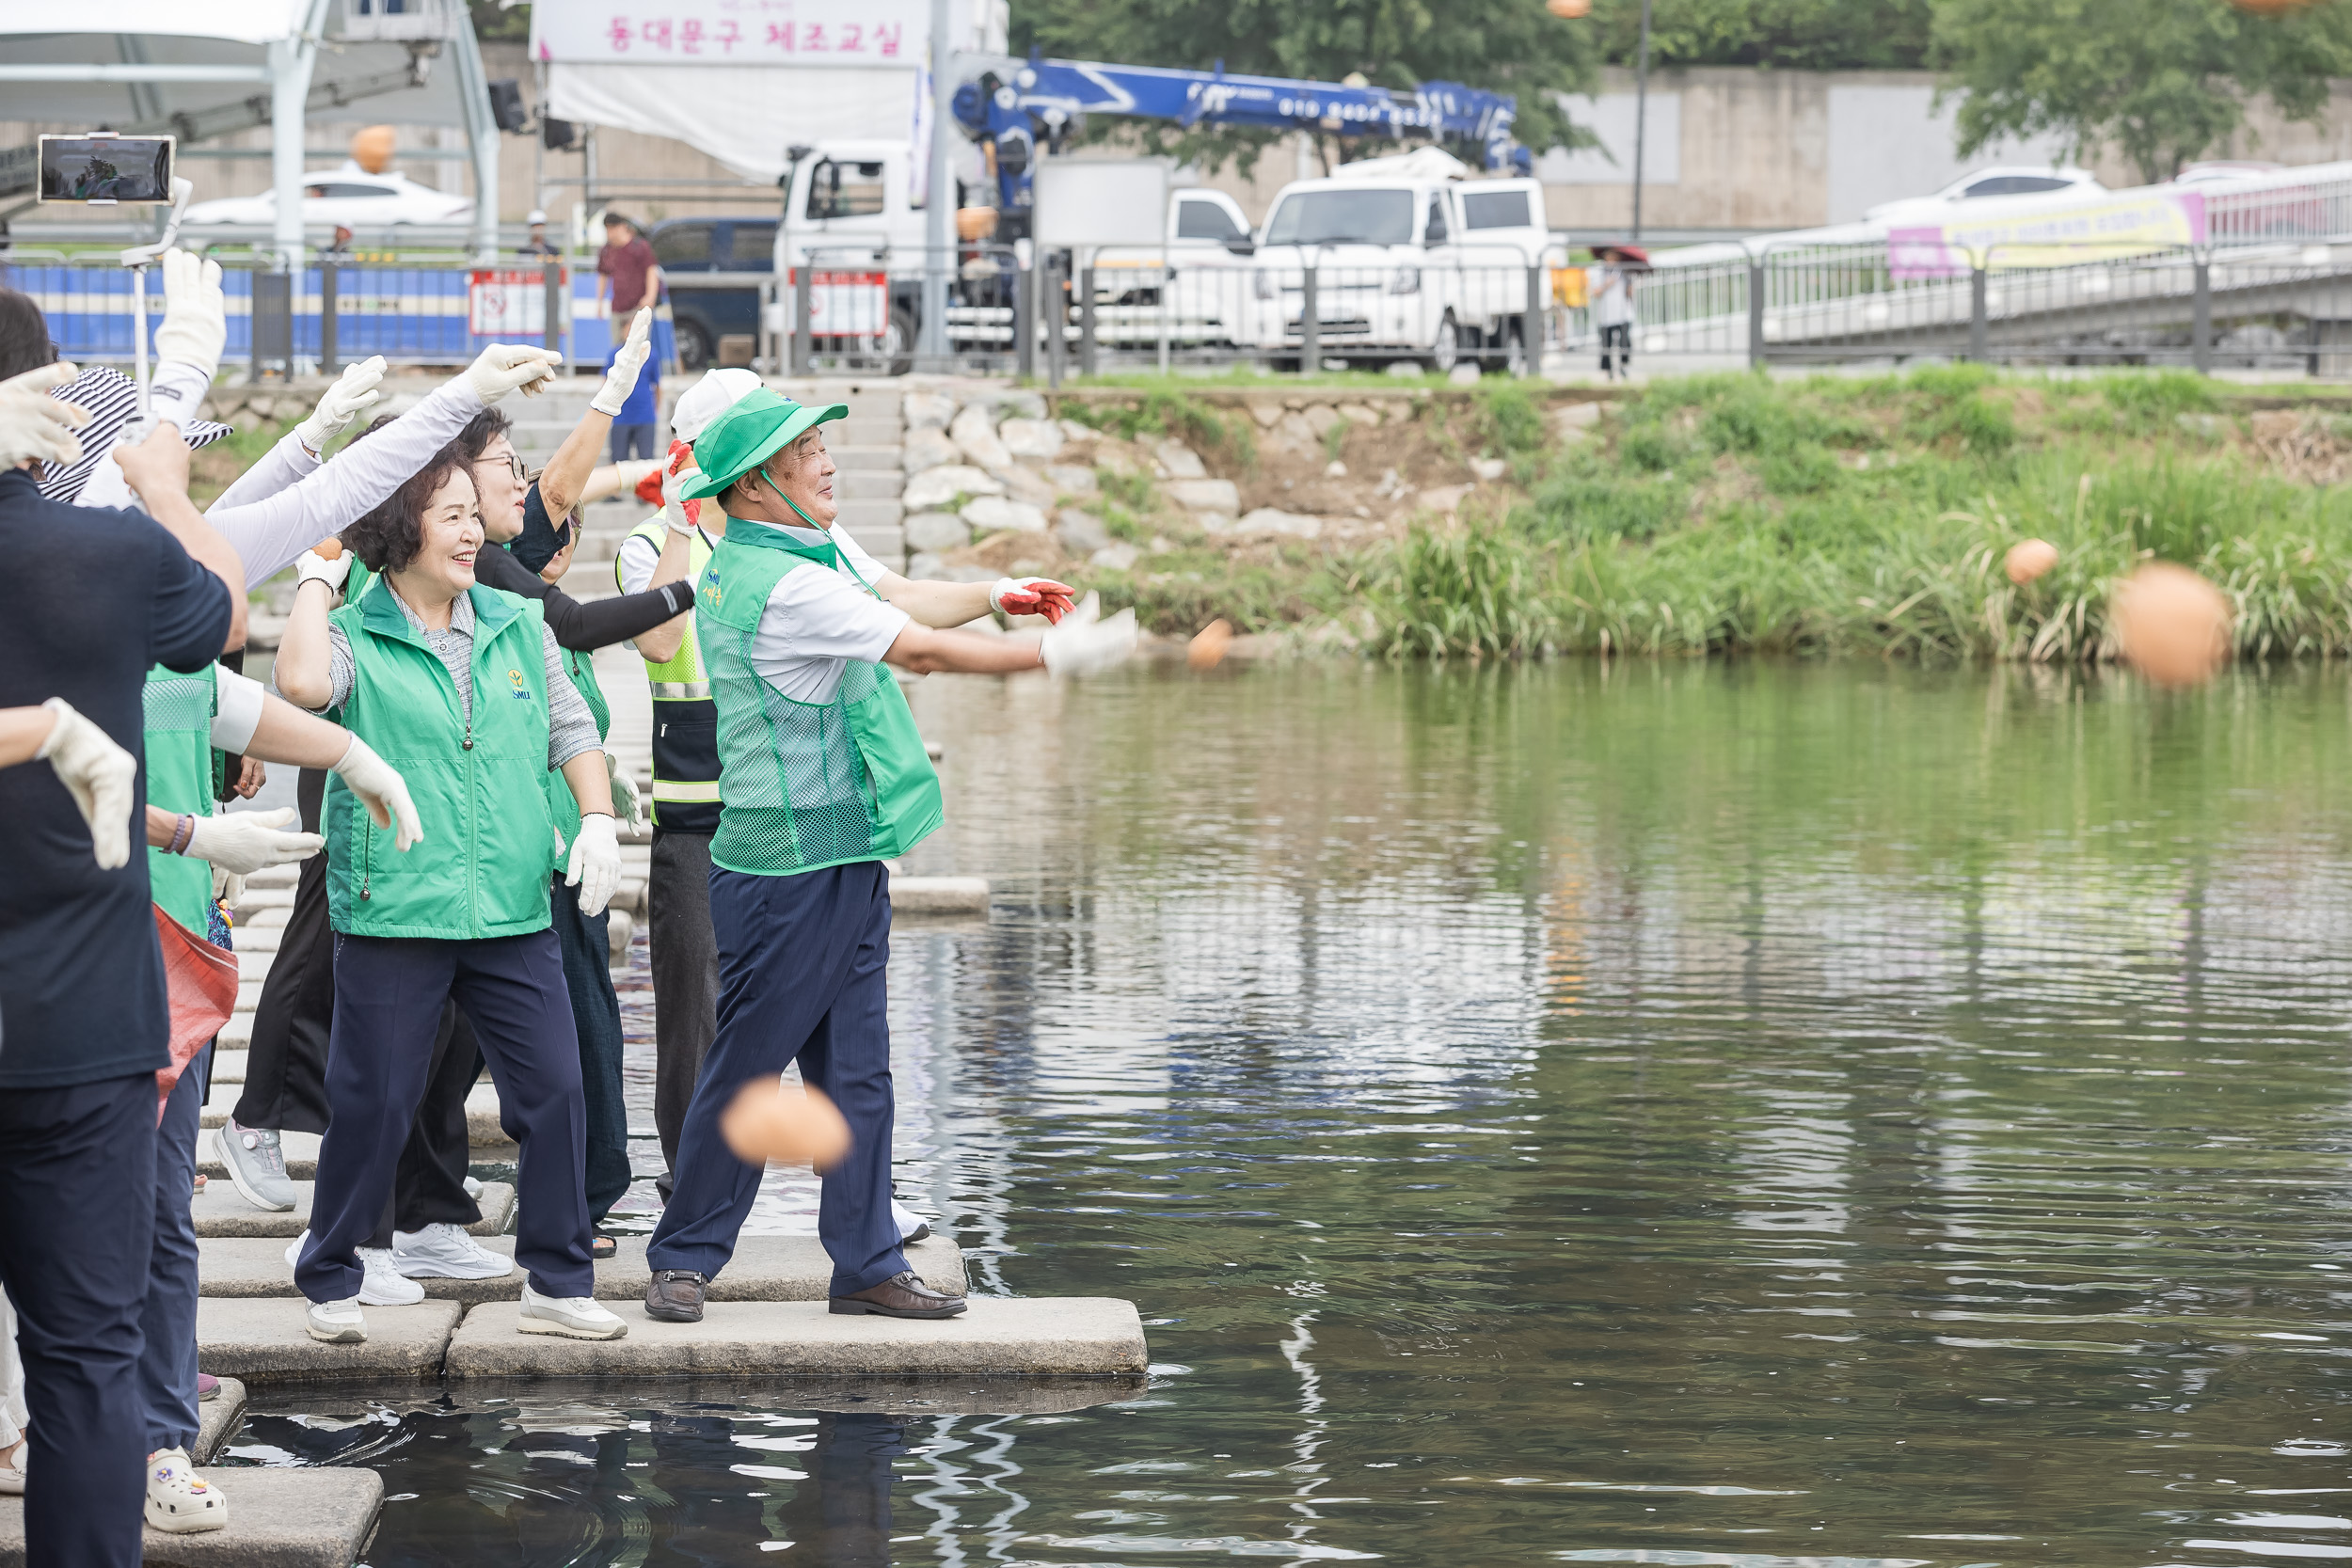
(1032, 596)
(649, 488)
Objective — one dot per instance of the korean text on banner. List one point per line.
(734, 32)
(2066, 236)
(506, 303)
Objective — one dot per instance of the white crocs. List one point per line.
(179, 1502)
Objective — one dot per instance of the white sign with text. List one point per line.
(733, 32)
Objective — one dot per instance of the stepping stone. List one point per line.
(938, 896)
(300, 1148)
(262, 1341)
(765, 1268)
(215, 1418)
(220, 1210)
(482, 1120)
(999, 1337)
(317, 1516)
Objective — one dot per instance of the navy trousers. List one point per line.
(167, 1319)
(78, 1166)
(803, 974)
(597, 1014)
(387, 1009)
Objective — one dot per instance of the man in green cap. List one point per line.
(822, 778)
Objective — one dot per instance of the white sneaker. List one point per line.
(178, 1501)
(337, 1322)
(911, 1225)
(473, 1188)
(446, 1251)
(381, 1284)
(573, 1317)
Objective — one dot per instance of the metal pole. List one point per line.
(1531, 323)
(1756, 312)
(2201, 319)
(1980, 330)
(804, 292)
(1640, 116)
(1056, 315)
(1087, 365)
(328, 357)
(552, 279)
(1024, 323)
(938, 207)
(1310, 327)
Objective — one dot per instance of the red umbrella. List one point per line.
(1632, 253)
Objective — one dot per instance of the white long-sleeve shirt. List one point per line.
(271, 531)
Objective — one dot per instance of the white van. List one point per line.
(1413, 258)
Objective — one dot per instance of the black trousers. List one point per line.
(285, 1077)
(76, 1242)
(1621, 338)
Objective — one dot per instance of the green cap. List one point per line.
(754, 427)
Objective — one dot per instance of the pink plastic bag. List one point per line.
(202, 981)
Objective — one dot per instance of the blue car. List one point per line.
(706, 317)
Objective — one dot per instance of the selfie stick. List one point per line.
(136, 259)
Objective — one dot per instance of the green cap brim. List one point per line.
(801, 422)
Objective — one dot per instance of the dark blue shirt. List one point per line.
(92, 598)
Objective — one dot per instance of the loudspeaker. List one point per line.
(507, 105)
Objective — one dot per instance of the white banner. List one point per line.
(733, 32)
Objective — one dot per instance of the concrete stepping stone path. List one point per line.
(261, 1341)
(317, 1516)
(221, 1211)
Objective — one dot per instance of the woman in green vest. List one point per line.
(822, 778)
(461, 687)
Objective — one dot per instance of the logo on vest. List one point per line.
(522, 687)
(710, 585)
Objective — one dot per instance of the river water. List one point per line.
(1737, 1114)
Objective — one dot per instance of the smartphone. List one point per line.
(105, 171)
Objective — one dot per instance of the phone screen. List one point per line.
(105, 169)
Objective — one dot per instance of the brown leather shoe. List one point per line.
(900, 1296)
(676, 1297)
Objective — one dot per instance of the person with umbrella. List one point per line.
(1612, 296)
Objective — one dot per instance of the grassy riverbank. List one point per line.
(1829, 516)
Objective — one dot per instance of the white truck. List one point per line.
(1414, 257)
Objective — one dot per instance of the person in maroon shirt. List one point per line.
(626, 268)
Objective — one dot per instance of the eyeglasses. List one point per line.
(515, 465)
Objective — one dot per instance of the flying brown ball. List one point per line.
(2172, 624)
(791, 1127)
(1568, 10)
(2029, 558)
(1208, 645)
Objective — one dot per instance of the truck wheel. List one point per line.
(1446, 352)
(694, 348)
(897, 349)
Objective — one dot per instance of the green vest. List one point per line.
(478, 783)
(803, 785)
(685, 721)
(562, 806)
(179, 713)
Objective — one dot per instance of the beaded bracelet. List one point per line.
(181, 834)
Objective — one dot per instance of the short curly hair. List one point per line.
(389, 538)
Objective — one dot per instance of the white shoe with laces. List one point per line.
(446, 1251)
(179, 1502)
(337, 1322)
(381, 1282)
(12, 1471)
(573, 1317)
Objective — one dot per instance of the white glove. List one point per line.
(311, 566)
(246, 841)
(195, 313)
(595, 867)
(1085, 643)
(383, 791)
(98, 773)
(503, 367)
(228, 886)
(672, 499)
(33, 423)
(628, 805)
(353, 395)
(621, 379)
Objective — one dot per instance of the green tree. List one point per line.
(2161, 80)
(1512, 46)
(1789, 35)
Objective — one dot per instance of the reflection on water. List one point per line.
(1662, 1113)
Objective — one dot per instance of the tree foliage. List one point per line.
(2161, 80)
(1510, 46)
(1789, 35)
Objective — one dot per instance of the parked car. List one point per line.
(707, 318)
(1980, 184)
(348, 197)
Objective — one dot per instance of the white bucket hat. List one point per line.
(709, 398)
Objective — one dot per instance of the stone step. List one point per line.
(312, 1516)
(262, 1339)
(302, 1159)
(216, 1418)
(221, 1211)
(998, 1336)
(228, 1065)
(763, 1267)
(867, 486)
(939, 895)
(873, 459)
